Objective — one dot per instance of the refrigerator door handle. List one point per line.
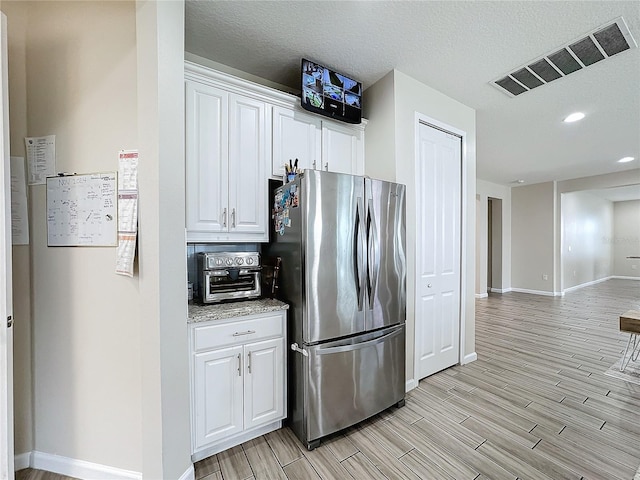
(373, 267)
(358, 346)
(358, 252)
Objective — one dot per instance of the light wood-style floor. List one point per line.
(535, 405)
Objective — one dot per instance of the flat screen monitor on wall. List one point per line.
(330, 93)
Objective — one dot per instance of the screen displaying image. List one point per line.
(330, 93)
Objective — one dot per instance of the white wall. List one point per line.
(486, 190)
(79, 83)
(587, 227)
(626, 238)
(411, 97)
(380, 142)
(166, 430)
(618, 179)
(532, 236)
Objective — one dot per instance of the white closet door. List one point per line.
(6, 331)
(438, 250)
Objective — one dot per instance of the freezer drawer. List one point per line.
(350, 380)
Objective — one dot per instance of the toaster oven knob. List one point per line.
(239, 261)
(218, 261)
(250, 261)
(229, 261)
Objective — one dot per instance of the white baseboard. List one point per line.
(482, 295)
(189, 474)
(537, 292)
(586, 284)
(622, 277)
(22, 460)
(471, 357)
(410, 385)
(500, 290)
(79, 468)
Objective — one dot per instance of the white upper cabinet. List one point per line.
(316, 143)
(295, 135)
(226, 156)
(247, 166)
(207, 153)
(342, 148)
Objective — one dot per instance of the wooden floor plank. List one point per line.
(359, 466)
(263, 462)
(234, 464)
(300, 469)
(285, 446)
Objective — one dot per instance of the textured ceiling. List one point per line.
(456, 48)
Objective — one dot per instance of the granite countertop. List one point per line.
(219, 311)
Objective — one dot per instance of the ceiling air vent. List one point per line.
(599, 44)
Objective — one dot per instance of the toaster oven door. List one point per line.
(230, 284)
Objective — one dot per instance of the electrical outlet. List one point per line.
(545, 276)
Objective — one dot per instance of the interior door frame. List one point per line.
(433, 123)
(6, 331)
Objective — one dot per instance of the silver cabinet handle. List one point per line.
(224, 218)
(249, 362)
(248, 332)
(295, 348)
(326, 166)
(233, 218)
(239, 365)
(314, 164)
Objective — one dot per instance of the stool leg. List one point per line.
(635, 351)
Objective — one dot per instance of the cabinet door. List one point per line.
(295, 135)
(342, 149)
(264, 382)
(218, 393)
(247, 166)
(206, 110)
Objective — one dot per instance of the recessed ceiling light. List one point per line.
(626, 159)
(574, 117)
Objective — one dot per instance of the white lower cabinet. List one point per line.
(238, 380)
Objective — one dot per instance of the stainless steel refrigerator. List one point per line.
(342, 243)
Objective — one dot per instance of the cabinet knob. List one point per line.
(326, 167)
(314, 164)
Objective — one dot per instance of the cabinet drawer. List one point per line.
(237, 332)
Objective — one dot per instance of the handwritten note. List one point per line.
(127, 211)
(82, 210)
(19, 211)
(41, 158)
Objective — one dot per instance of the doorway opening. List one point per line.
(494, 245)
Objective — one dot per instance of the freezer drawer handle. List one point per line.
(358, 346)
(248, 332)
(296, 348)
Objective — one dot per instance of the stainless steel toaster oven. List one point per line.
(229, 276)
